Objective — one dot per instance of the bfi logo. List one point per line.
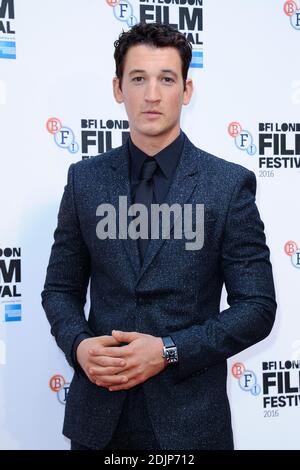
(291, 249)
(63, 136)
(243, 139)
(59, 386)
(123, 11)
(246, 378)
(291, 10)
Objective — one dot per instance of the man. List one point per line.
(150, 362)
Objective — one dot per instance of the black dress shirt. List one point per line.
(167, 160)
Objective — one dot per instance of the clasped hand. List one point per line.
(109, 364)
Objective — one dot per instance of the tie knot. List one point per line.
(148, 169)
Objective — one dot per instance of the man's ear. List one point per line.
(117, 90)
(187, 94)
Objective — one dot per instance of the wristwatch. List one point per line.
(170, 350)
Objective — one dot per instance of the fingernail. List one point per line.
(124, 379)
(122, 363)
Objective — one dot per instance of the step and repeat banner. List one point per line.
(57, 107)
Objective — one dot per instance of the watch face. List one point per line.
(171, 355)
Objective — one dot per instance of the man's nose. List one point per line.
(152, 92)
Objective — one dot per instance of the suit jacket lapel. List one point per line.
(120, 186)
(182, 187)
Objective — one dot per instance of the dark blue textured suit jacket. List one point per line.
(176, 292)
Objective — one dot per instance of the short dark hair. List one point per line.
(153, 35)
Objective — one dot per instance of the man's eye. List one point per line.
(138, 79)
(168, 79)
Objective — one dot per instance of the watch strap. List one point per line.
(168, 342)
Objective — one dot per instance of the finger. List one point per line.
(113, 379)
(99, 371)
(131, 370)
(133, 374)
(120, 352)
(100, 384)
(106, 361)
(104, 341)
(127, 386)
(108, 341)
(125, 336)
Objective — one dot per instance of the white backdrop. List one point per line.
(63, 69)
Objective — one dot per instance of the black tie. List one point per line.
(144, 195)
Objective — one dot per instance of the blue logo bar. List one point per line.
(197, 59)
(13, 312)
(7, 49)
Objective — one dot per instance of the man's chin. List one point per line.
(154, 131)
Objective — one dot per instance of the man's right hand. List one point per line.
(97, 366)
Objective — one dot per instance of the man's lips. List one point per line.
(151, 112)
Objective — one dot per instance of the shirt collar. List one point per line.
(167, 159)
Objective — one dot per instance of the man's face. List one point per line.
(153, 92)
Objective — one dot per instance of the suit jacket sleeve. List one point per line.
(68, 273)
(248, 279)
